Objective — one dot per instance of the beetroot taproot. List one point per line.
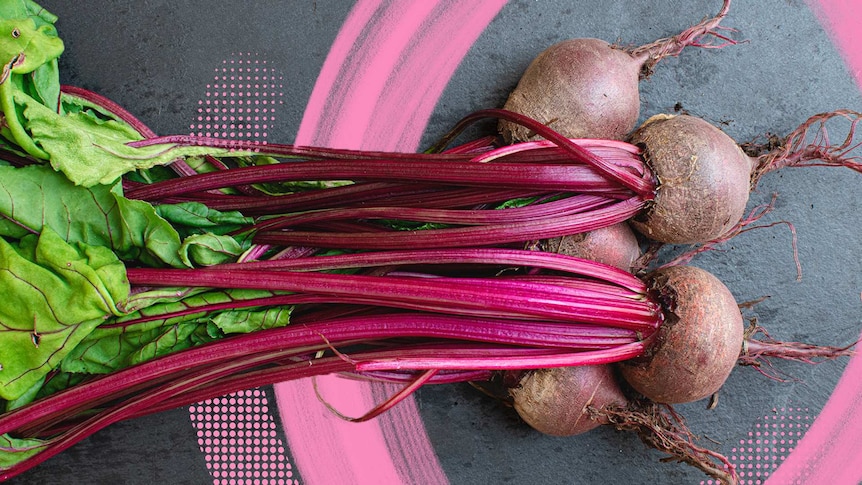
(557, 401)
(614, 245)
(696, 347)
(588, 88)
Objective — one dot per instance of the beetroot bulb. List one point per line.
(588, 88)
(614, 245)
(704, 177)
(569, 401)
(698, 344)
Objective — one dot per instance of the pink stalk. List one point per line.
(492, 234)
(487, 256)
(551, 177)
(306, 339)
(566, 206)
(450, 296)
(353, 195)
(645, 187)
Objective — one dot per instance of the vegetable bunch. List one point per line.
(143, 272)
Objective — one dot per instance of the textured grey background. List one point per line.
(154, 57)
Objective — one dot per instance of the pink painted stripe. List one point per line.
(841, 19)
(376, 90)
(831, 450)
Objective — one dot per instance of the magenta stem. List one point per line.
(484, 256)
(450, 296)
(454, 237)
(645, 187)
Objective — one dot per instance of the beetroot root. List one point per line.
(614, 245)
(703, 179)
(569, 401)
(588, 88)
(557, 401)
(697, 346)
(582, 88)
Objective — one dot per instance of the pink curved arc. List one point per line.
(831, 450)
(381, 80)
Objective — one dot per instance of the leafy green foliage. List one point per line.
(16, 450)
(87, 149)
(35, 197)
(55, 294)
(169, 321)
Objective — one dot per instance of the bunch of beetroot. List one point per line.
(512, 259)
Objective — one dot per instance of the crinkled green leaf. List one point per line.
(195, 218)
(173, 320)
(90, 150)
(245, 321)
(211, 249)
(55, 294)
(16, 450)
(35, 196)
(172, 339)
(108, 354)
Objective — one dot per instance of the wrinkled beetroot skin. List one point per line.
(554, 401)
(703, 180)
(582, 88)
(614, 245)
(698, 344)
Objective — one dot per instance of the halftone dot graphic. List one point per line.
(239, 440)
(774, 437)
(236, 433)
(241, 100)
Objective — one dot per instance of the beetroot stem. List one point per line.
(454, 237)
(468, 298)
(644, 187)
(300, 340)
(551, 177)
(568, 205)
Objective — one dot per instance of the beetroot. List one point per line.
(557, 401)
(614, 245)
(704, 177)
(568, 401)
(588, 88)
(697, 346)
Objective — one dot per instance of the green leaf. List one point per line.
(204, 230)
(16, 450)
(43, 84)
(35, 196)
(55, 294)
(169, 320)
(90, 150)
(27, 397)
(101, 355)
(245, 321)
(211, 249)
(196, 218)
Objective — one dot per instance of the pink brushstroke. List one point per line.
(380, 82)
(841, 19)
(831, 450)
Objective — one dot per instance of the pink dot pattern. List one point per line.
(764, 449)
(241, 100)
(239, 440)
(236, 433)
